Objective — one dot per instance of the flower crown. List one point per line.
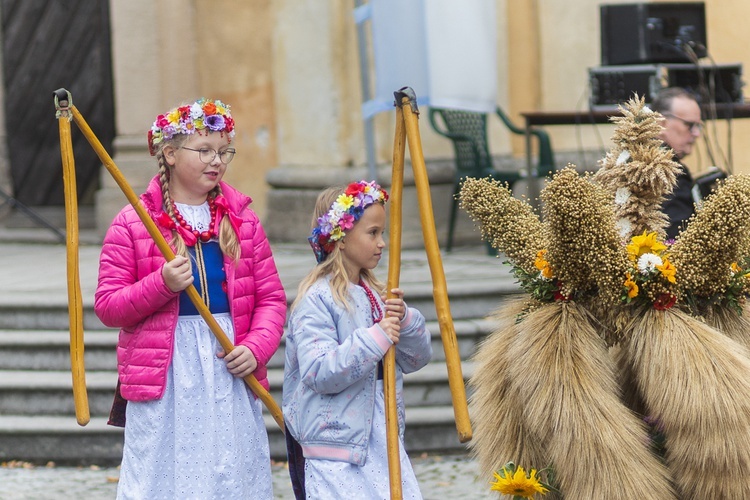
(345, 211)
(186, 119)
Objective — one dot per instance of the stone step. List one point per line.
(37, 420)
(50, 349)
(49, 316)
(52, 215)
(474, 302)
(47, 392)
(469, 298)
(51, 392)
(40, 439)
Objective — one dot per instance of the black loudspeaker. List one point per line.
(613, 85)
(646, 33)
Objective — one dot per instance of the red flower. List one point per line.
(228, 123)
(184, 112)
(664, 301)
(559, 296)
(161, 121)
(354, 189)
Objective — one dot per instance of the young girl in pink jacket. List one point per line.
(192, 427)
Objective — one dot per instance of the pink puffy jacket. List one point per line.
(132, 295)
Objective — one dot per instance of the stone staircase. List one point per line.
(37, 417)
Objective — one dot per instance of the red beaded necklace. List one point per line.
(375, 306)
(204, 236)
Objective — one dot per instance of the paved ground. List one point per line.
(440, 478)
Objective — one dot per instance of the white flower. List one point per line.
(621, 195)
(647, 262)
(196, 111)
(623, 227)
(646, 110)
(624, 156)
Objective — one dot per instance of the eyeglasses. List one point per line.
(692, 126)
(207, 155)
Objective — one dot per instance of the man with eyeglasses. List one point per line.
(682, 127)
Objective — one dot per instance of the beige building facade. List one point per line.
(290, 71)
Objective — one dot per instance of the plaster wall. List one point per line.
(222, 50)
(233, 63)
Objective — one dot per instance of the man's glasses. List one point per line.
(692, 126)
(207, 155)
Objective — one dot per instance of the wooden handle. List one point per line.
(75, 302)
(394, 275)
(440, 289)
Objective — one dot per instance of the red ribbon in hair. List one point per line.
(222, 209)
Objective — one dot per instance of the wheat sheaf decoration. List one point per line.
(629, 352)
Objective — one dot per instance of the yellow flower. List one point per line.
(344, 201)
(336, 233)
(631, 286)
(668, 270)
(542, 264)
(517, 484)
(540, 261)
(735, 268)
(174, 116)
(645, 243)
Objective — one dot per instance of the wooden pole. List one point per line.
(408, 103)
(169, 255)
(75, 302)
(394, 274)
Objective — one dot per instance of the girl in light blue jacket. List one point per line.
(339, 330)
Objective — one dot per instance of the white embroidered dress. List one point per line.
(332, 480)
(205, 439)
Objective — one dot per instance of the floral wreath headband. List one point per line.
(203, 114)
(345, 211)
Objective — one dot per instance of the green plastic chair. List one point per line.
(467, 131)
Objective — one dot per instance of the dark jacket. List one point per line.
(679, 205)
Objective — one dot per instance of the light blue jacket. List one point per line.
(330, 371)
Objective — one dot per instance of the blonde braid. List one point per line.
(177, 242)
(228, 240)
